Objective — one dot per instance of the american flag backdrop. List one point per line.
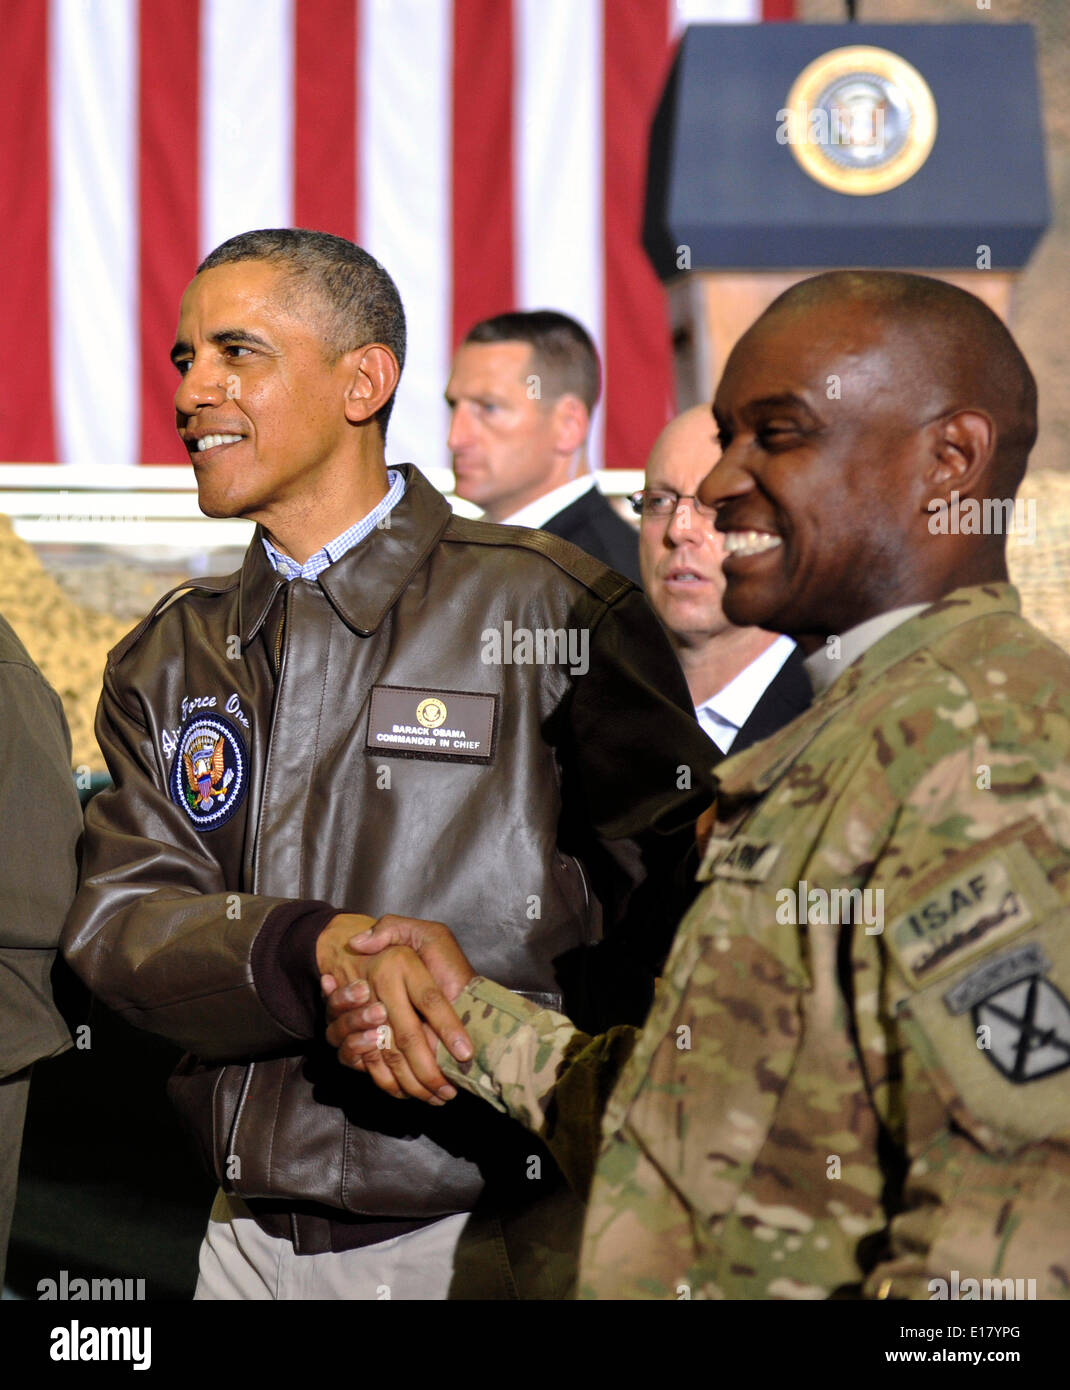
(491, 153)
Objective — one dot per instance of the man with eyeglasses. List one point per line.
(746, 683)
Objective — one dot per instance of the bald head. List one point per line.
(956, 354)
(692, 435)
(858, 410)
(680, 555)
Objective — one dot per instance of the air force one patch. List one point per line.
(209, 776)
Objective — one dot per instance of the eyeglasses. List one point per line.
(661, 504)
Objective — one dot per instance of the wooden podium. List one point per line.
(781, 150)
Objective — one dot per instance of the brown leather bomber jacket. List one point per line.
(383, 740)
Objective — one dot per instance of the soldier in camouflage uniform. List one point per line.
(855, 1080)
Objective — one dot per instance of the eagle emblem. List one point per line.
(208, 777)
(205, 768)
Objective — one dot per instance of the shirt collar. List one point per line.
(365, 582)
(351, 536)
(757, 768)
(539, 512)
(734, 703)
(824, 665)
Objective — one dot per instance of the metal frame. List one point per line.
(155, 507)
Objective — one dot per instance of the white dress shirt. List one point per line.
(539, 512)
(724, 713)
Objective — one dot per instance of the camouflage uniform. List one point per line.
(818, 1110)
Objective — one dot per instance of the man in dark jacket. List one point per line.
(38, 875)
(522, 392)
(387, 709)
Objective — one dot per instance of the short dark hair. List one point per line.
(563, 353)
(360, 300)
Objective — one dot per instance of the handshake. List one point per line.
(390, 986)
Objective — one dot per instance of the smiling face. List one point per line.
(260, 407)
(821, 488)
(680, 556)
(507, 446)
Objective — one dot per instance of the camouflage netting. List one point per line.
(70, 643)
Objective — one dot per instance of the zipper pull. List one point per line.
(278, 635)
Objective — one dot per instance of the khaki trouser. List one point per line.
(530, 1254)
(14, 1091)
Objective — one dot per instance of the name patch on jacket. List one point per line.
(748, 861)
(209, 773)
(432, 723)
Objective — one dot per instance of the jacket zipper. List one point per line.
(278, 639)
(251, 1066)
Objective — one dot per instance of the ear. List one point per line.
(572, 423)
(373, 377)
(960, 453)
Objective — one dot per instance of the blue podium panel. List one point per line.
(722, 184)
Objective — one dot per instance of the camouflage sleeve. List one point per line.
(978, 939)
(534, 1065)
(986, 1200)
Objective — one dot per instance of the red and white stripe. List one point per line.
(490, 152)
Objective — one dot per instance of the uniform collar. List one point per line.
(757, 768)
(363, 584)
(823, 669)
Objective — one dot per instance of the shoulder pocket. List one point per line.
(994, 1038)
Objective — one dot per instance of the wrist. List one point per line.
(335, 934)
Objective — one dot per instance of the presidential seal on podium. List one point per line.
(859, 120)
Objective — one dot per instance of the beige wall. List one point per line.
(1041, 314)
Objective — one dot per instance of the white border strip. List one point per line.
(246, 118)
(405, 160)
(559, 150)
(95, 337)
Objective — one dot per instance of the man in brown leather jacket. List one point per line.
(387, 709)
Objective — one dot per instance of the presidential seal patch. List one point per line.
(208, 774)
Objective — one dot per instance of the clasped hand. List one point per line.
(389, 987)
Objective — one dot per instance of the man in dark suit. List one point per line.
(746, 683)
(522, 391)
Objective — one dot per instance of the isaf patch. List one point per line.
(965, 916)
(209, 772)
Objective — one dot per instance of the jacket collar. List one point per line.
(757, 768)
(363, 585)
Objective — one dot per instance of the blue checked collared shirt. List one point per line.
(351, 536)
